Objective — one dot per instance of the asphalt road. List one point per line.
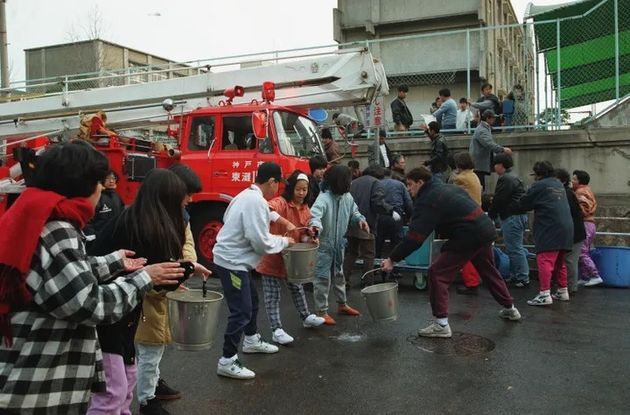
(569, 358)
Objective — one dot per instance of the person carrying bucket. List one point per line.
(333, 211)
(241, 243)
(292, 206)
(449, 211)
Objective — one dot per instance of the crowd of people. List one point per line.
(464, 115)
(83, 314)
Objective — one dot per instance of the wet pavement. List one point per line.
(571, 358)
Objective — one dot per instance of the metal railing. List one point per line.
(528, 54)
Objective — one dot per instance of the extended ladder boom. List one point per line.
(343, 78)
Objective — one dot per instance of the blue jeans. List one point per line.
(513, 229)
(149, 357)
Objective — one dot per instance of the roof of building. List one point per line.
(587, 49)
(99, 40)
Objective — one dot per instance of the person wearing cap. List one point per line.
(380, 155)
(553, 231)
(400, 112)
(293, 206)
(482, 147)
(241, 243)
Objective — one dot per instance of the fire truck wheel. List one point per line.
(206, 222)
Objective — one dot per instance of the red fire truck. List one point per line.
(222, 131)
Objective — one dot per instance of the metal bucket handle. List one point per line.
(369, 272)
(301, 227)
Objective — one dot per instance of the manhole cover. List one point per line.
(461, 344)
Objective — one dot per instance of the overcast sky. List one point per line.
(179, 30)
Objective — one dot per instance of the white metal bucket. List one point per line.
(299, 262)
(382, 301)
(193, 318)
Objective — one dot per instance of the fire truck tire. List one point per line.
(206, 222)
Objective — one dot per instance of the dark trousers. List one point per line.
(358, 248)
(443, 271)
(482, 178)
(242, 300)
(388, 228)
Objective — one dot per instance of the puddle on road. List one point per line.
(461, 344)
(349, 338)
(357, 336)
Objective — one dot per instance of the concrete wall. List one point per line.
(357, 12)
(604, 153)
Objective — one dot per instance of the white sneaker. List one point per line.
(435, 330)
(593, 281)
(281, 336)
(234, 369)
(541, 299)
(581, 282)
(313, 321)
(258, 346)
(510, 314)
(561, 295)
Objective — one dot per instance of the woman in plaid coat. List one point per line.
(50, 297)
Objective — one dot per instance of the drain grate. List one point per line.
(461, 344)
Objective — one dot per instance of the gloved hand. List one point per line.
(396, 216)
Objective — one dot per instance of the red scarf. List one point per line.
(20, 228)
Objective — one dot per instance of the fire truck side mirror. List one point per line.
(260, 124)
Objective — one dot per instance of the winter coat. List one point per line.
(332, 152)
(448, 210)
(579, 232)
(110, 205)
(332, 214)
(401, 113)
(509, 189)
(469, 181)
(375, 151)
(587, 200)
(154, 326)
(273, 265)
(369, 195)
(553, 225)
(438, 162)
(482, 147)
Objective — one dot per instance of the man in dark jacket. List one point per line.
(510, 189)
(449, 211)
(400, 111)
(369, 195)
(398, 168)
(553, 231)
(438, 163)
(579, 232)
(380, 155)
(488, 101)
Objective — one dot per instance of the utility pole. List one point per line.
(4, 55)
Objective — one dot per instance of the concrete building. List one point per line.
(95, 58)
(425, 44)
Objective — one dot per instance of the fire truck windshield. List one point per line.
(297, 135)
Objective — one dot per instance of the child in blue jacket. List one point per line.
(333, 211)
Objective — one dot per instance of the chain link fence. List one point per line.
(541, 70)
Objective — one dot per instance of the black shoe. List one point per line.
(520, 284)
(153, 407)
(463, 290)
(165, 393)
